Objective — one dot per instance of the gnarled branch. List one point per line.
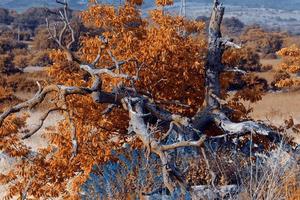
(58, 38)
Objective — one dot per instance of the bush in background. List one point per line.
(40, 59)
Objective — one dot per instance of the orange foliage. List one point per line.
(244, 59)
(170, 51)
(170, 54)
(164, 2)
(290, 65)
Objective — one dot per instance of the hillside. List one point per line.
(25, 4)
(272, 14)
(80, 4)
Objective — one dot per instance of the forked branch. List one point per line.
(58, 35)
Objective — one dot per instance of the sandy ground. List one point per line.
(276, 107)
(36, 141)
(269, 75)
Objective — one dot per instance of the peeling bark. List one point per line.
(214, 65)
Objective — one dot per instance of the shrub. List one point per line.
(266, 68)
(21, 61)
(40, 58)
(233, 26)
(5, 63)
(7, 45)
(25, 36)
(242, 58)
(41, 40)
(262, 41)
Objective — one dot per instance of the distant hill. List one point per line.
(21, 5)
(275, 4)
(273, 14)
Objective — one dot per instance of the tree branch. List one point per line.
(240, 127)
(95, 71)
(67, 26)
(235, 69)
(229, 43)
(184, 144)
(40, 96)
(41, 120)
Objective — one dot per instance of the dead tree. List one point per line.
(213, 109)
(183, 8)
(140, 106)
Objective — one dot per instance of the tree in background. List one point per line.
(5, 16)
(149, 83)
(233, 26)
(290, 67)
(261, 41)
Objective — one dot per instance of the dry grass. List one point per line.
(268, 75)
(272, 177)
(273, 62)
(276, 107)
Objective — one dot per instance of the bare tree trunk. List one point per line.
(214, 65)
(183, 8)
(212, 110)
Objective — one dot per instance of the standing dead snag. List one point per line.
(214, 65)
(216, 47)
(213, 111)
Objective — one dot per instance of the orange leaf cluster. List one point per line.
(291, 65)
(166, 45)
(164, 2)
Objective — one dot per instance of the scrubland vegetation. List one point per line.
(124, 106)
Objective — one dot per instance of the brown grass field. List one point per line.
(278, 106)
